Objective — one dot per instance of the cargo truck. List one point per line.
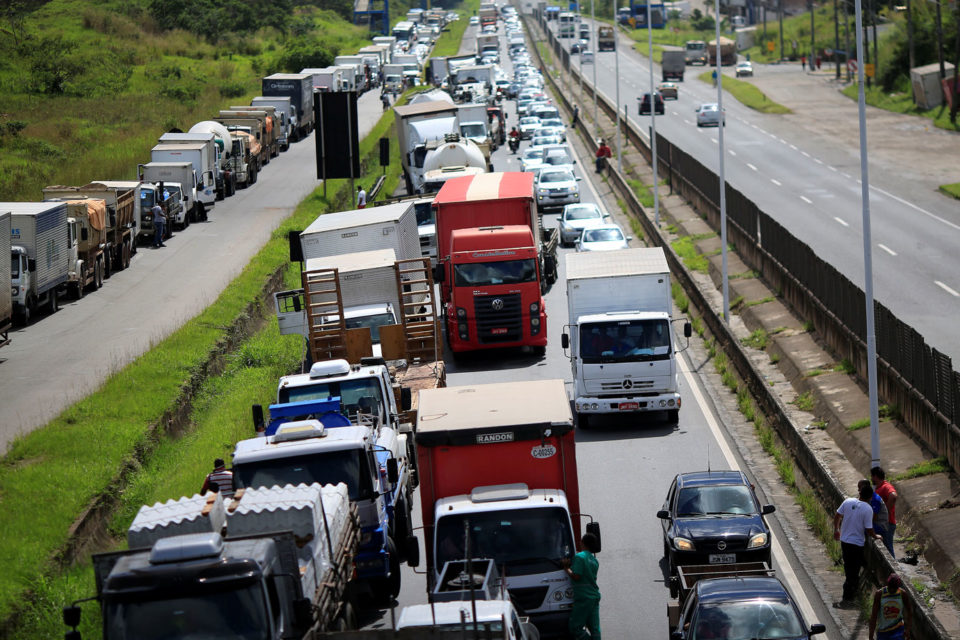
(494, 262)
(299, 88)
(475, 126)
(502, 457)
(253, 128)
(286, 113)
(87, 238)
(198, 154)
(488, 15)
(271, 123)
(267, 138)
(234, 154)
(144, 195)
(620, 334)
(418, 124)
(695, 52)
(390, 227)
(728, 52)
(40, 256)
(673, 64)
(327, 78)
(488, 43)
(6, 276)
(172, 177)
(284, 568)
(211, 157)
(606, 38)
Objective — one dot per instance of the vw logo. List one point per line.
(497, 304)
(721, 545)
(628, 384)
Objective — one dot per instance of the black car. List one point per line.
(713, 517)
(645, 103)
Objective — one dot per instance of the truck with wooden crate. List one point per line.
(270, 121)
(254, 126)
(87, 238)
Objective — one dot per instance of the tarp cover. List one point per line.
(96, 211)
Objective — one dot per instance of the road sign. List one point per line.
(852, 66)
(868, 69)
(771, 46)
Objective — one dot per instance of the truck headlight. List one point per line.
(534, 307)
(461, 312)
(670, 402)
(16, 291)
(663, 403)
(682, 544)
(535, 322)
(757, 541)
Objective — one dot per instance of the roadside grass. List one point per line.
(759, 339)
(748, 94)
(805, 401)
(925, 468)
(448, 44)
(952, 190)
(902, 102)
(694, 260)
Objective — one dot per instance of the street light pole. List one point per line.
(616, 54)
(596, 54)
(653, 124)
(723, 181)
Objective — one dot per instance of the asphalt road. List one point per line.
(811, 185)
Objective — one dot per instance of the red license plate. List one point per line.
(629, 406)
(498, 332)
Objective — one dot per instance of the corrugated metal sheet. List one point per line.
(196, 514)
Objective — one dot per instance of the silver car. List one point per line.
(556, 188)
(528, 124)
(708, 115)
(608, 237)
(577, 217)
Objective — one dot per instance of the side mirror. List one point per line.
(71, 616)
(676, 635)
(768, 509)
(438, 274)
(406, 398)
(687, 330)
(258, 423)
(564, 341)
(817, 629)
(594, 528)
(629, 238)
(411, 548)
(663, 514)
(579, 178)
(393, 471)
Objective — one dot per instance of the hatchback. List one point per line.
(645, 103)
(608, 237)
(556, 188)
(669, 90)
(577, 217)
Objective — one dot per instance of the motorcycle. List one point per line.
(514, 144)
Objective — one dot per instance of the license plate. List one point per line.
(722, 558)
(629, 406)
(498, 332)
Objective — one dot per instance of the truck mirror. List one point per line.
(663, 514)
(438, 273)
(71, 616)
(258, 424)
(406, 398)
(564, 341)
(411, 548)
(393, 471)
(687, 330)
(594, 528)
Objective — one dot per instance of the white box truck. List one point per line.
(284, 109)
(40, 256)
(182, 175)
(392, 226)
(6, 295)
(214, 149)
(204, 171)
(620, 333)
(419, 124)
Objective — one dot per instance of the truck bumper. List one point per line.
(552, 624)
(375, 564)
(459, 345)
(661, 402)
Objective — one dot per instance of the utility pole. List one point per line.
(616, 58)
(876, 52)
(780, 18)
(956, 67)
(836, 37)
(910, 34)
(725, 283)
(596, 53)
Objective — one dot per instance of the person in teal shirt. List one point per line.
(585, 616)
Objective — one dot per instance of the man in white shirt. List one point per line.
(361, 197)
(852, 524)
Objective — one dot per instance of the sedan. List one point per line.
(586, 57)
(714, 517)
(606, 238)
(551, 130)
(579, 46)
(669, 90)
(543, 140)
(577, 217)
(528, 124)
(744, 69)
(645, 103)
(708, 115)
(556, 188)
(474, 21)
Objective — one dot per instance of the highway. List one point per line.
(811, 185)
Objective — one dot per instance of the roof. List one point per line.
(505, 238)
(424, 108)
(422, 615)
(359, 217)
(31, 208)
(624, 262)
(334, 439)
(489, 186)
(357, 261)
(706, 478)
(721, 589)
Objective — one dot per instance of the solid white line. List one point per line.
(913, 206)
(946, 288)
(841, 221)
(887, 249)
(751, 166)
(732, 152)
(776, 182)
(806, 199)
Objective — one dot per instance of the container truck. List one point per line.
(620, 334)
(267, 126)
(390, 227)
(299, 88)
(366, 75)
(87, 238)
(40, 256)
(198, 154)
(214, 148)
(283, 570)
(167, 174)
(253, 126)
(503, 458)
(494, 262)
(673, 64)
(326, 78)
(287, 114)
(6, 276)
(418, 124)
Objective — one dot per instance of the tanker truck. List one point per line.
(453, 157)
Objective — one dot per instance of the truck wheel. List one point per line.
(54, 303)
(78, 290)
(386, 589)
(539, 351)
(126, 255)
(26, 313)
(97, 275)
(583, 421)
(107, 266)
(348, 618)
(252, 175)
(673, 416)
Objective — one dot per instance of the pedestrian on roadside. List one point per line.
(576, 114)
(891, 611)
(585, 615)
(603, 152)
(385, 100)
(852, 525)
(880, 514)
(803, 63)
(714, 77)
(889, 496)
(219, 480)
(361, 197)
(159, 223)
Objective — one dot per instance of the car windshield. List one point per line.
(559, 158)
(329, 467)
(708, 107)
(763, 619)
(533, 154)
(353, 394)
(372, 322)
(602, 235)
(624, 341)
(556, 176)
(582, 213)
(553, 122)
(717, 500)
(527, 541)
(476, 274)
(475, 130)
(15, 266)
(211, 614)
(530, 120)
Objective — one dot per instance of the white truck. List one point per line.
(362, 77)
(145, 194)
(234, 154)
(284, 568)
(418, 124)
(389, 227)
(39, 256)
(479, 79)
(475, 126)
(6, 271)
(210, 158)
(326, 78)
(182, 174)
(393, 78)
(283, 107)
(620, 334)
(488, 43)
(200, 185)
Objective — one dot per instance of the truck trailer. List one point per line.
(389, 227)
(6, 277)
(40, 256)
(212, 157)
(418, 124)
(199, 155)
(672, 64)
(299, 88)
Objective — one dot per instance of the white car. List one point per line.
(528, 124)
(474, 21)
(551, 130)
(577, 217)
(608, 237)
(532, 158)
(586, 57)
(556, 188)
(543, 140)
(708, 115)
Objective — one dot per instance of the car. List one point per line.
(528, 124)
(551, 130)
(743, 607)
(474, 21)
(532, 158)
(714, 517)
(744, 69)
(558, 156)
(546, 112)
(708, 114)
(608, 237)
(555, 125)
(452, 16)
(579, 46)
(556, 188)
(644, 106)
(577, 217)
(669, 90)
(586, 57)
(542, 140)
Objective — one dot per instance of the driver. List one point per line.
(514, 133)
(712, 624)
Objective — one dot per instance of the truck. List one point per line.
(494, 262)
(488, 16)
(382, 53)
(145, 194)
(234, 154)
(474, 126)
(252, 125)
(393, 78)
(202, 158)
(326, 78)
(416, 125)
(274, 125)
(299, 88)
(6, 277)
(39, 256)
(488, 43)
(695, 52)
(284, 568)
(620, 334)
(214, 148)
(268, 125)
(390, 227)
(454, 157)
(606, 38)
(478, 79)
(672, 64)
(364, 76)
(87, 240)
(171, 177)
(283, 107)
(503, 458)
(728, 52)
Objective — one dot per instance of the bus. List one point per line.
(568, 25)
(405, 31)
(658, 15)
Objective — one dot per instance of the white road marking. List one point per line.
(794, 147)
(915, 207)
(687, 121)
(887, 249)
(732, 152)
(841, 221)
(751, 166)
(776, 182)
(715, 141)
(834, 169)
(818, 160)
(946, 288)
(805, 153)
(782, 140)
(845, 175)
(756, 127)
(806, 199)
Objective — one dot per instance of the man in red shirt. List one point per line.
(603, 152)
(889, 496)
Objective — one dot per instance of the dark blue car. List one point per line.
(713, 517)
(748, 607)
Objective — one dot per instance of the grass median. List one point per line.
(747, 94)
(448, 44)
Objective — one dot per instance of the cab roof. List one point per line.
(493, 242)
(708, 478)
(488, 186)
(726, 589)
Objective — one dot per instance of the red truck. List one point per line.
(493, 262)
(499, 461)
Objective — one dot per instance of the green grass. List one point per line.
(805, 401)
(774, 358)
(748, 94)
(753, 303)
(448, 44)
(692, 258)
(759, 339)
(856, 425)
(845, 366)
(925, 468)
(813, 373)
(902, 102)
(952, 190)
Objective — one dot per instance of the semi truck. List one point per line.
(673, 64)
(283, 108)
(418, 124)
(454, 157)
(494, 262)
(6, 276)
(299, 88)
(502, 457)
(606, 38)
(620, 334)
(728, 52)
(171, 177)
(284, 568)
(211, 157)
(203, 163)
(40, 256)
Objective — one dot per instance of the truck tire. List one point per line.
(583, 421)
(386, 589)
(53, 303)
(77, 290)
(126, 255)
(673, 416)
(97, 275)
(252, 175)
(108, 264)
(540, 351)
(347, 621)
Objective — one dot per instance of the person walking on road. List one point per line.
(852, 524)
(603, 152)
(159, 222)
(585, 615)
(361, 197)
(803, 63)
(889, 496)
(220, 480)
(891, 612)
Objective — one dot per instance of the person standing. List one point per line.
(889, 496)
(803, 63)
(159, 222)
(890, 610)
(585, 615)
(852, 524)
(880, 515)
(361, 197)
(220, 479)
(576, 114)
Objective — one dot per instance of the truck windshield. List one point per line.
(478, 274)
(356, 394)
(625, 341)
(332, 467)
(14, 266)
(526, 540)
(372, 322)
(146, 199)
(235, 614)
(473, 130)
(424, 212)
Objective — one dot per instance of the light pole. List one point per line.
(596, 54)
(723, 181)
(836, 38)
(616, 57)
(653, 124)
(580, 55)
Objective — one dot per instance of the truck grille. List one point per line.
(528, 598)
(499, 318)
(637, 386)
